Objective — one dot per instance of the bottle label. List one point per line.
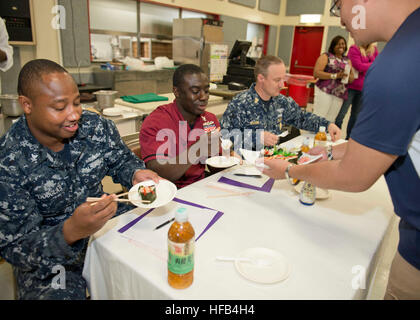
(307, 194)
(181, 257)
(320, 143)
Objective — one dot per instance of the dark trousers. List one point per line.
(354, 99)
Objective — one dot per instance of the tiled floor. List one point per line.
(377, 291)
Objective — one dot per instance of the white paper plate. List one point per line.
(112, 112)
(165, 192)
(320, 193)
(277, 270)
(310, 157)
(222, 162)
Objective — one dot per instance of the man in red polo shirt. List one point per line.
(177, 138)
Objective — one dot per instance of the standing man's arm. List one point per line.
(357, 171)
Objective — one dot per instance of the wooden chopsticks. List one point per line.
(122, 194)
(93, 199)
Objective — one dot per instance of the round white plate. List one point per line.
(222, 162)
(320, 193)
(274, 269)
(112, 112)
(165, 192)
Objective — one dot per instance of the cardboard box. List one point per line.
(195, 28)
(187, 28)
(192, 40)
(213, 33)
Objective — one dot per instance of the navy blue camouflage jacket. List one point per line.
(247, 113)
(39, 190)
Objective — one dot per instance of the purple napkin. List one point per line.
(266, 187)
(215, 218)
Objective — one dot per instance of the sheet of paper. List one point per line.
(218, 61)
(143, 231)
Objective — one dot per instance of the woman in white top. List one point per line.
(6, 50)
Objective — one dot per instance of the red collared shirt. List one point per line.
(165, 133)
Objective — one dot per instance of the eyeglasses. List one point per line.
(335, 8)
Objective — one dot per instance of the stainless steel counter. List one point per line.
(129, 82)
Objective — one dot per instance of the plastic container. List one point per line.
(181, 243)
(298, 89)
(105, 98)
(320, 138)
(285, 91)
(10, 105)
(347, 70)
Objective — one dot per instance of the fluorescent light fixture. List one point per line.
(310, 18)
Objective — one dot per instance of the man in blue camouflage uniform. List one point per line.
(51, 160)
(255, 118)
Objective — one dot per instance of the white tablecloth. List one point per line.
(324, 244)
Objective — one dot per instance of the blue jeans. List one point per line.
(354, 99)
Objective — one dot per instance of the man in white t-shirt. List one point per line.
(6, 50)
(6, 56)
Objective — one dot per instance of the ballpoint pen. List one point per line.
(164, 224)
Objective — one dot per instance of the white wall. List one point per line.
(114, 15)
(47, 39)
(326, 21)
(224, 7)
(121, 15)
(48, 42)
